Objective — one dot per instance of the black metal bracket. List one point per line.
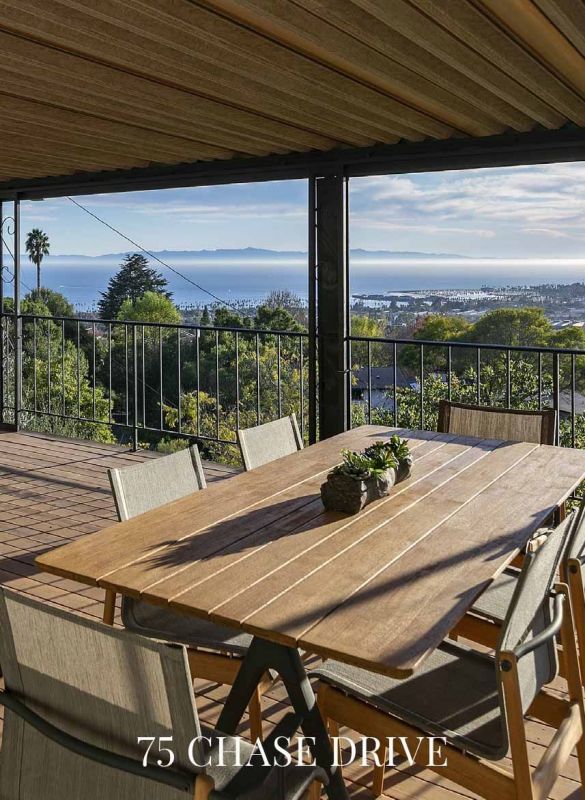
(263, 655)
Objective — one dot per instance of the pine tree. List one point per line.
(134, 278)
(205, 317)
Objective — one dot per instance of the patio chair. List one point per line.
(482, 624)
(497, 423)
(68, 735)
(269, 441)
(476, 701)
(138, 489)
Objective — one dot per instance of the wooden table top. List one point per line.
(380, 589)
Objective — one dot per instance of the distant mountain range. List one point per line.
(248, 253)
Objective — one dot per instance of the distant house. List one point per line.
(382, 385)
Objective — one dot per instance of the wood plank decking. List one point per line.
(55, 490)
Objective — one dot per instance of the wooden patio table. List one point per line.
(380, 589)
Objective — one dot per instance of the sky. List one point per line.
(519, 212)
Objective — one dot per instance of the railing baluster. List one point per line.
(556, 393)
(478, 376)
(135, 386)
(508, 381)
(237, 345)
(369, 356)
(110, 371)
(49, 407)
(217, 384)
(126, 386)
(395, 382)
(301, 388)
(63, 411)
(35, 406)
(78, 348)
(197, 360)
(179, 411)
(573, 382)
(93, 382)
(257, 379)
(539, 380)
(449, 369)
(160, 379)
(278, 376)
(422, 387)
(143, 343)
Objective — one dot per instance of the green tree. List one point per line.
(55, 302)
(276, 319)
(571, 338)
(289, 301)
(151, 307)
(441, 328)
(37, 246)
(516, 327)
(134, 278)
(226, 318)
(56, 383)
(205, 317)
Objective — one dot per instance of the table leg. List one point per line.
(263, 655)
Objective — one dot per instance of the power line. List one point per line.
(152, 255)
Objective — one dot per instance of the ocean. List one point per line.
(81, 281)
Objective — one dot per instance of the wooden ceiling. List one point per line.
(92, 85)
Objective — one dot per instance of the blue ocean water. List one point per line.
(82, 280)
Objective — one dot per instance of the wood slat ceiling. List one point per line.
(91, 85)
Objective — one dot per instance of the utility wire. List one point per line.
(152, 255)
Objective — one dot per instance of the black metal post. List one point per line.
(134, 388)
(2, 344)
(312, 360)
(331, 250)
(17, 319)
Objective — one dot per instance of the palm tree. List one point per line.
(37, 246)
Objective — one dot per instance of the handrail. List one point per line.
(170, 325)
(473, 345)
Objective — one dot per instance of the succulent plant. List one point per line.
(400, 449)
(355, 465)
(375, 459)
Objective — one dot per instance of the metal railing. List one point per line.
(400, 381)
(143, 381)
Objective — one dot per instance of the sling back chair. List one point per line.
(488, 422)
(70, 735)
(138, 489)
(476, 701)
(269, 441)
(482, 624)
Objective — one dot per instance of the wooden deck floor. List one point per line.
(55, 490)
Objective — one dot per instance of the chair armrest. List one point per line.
(184, 781)
(550, 630)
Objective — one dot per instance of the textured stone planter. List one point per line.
(343, 493)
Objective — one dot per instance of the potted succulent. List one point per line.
(366, 476)
(401, 452)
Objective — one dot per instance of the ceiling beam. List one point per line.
(510, 149)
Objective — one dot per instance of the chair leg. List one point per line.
(380, 773)
(516, 727)
(572, 667)
(203, 787)
(314, 792)
(255, 715)
(109, 607)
